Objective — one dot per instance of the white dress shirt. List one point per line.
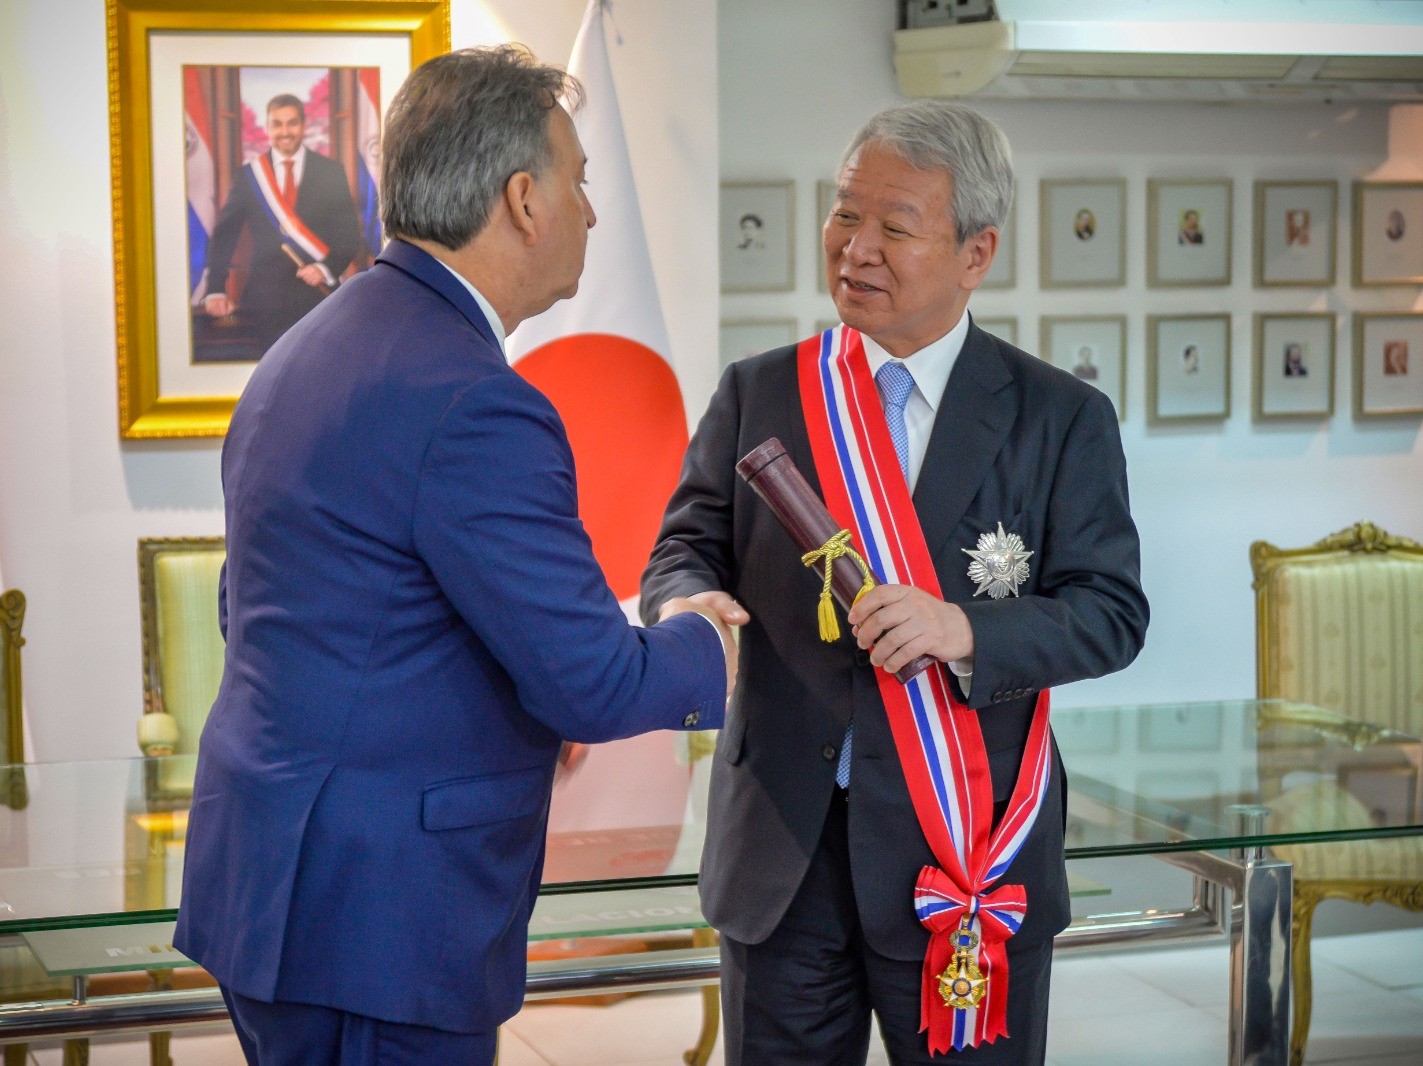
(484, 305)
(930, 367)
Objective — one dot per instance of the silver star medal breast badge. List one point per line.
(999, 565)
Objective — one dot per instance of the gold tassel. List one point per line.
(831, 550)
(829, 624)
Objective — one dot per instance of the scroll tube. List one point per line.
(773, 476)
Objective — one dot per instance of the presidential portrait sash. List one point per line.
(964, 997)
(298, 240)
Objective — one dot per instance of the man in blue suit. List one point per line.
(414, 617)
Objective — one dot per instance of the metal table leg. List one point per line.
(1259, 929)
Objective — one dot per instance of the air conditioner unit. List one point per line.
(1215, 50)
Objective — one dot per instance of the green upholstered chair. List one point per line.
(183, 654)
(182, 650)
(1339, 625)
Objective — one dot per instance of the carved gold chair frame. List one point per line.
(1310, 888)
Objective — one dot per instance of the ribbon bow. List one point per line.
(966, 968)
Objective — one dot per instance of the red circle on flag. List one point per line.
(622, 408)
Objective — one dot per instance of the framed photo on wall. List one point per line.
(1188, 230)
(757, 236)
(1092, 348)
(1004, 327)
(203, 98)
(1295, 228)
(741, 337)
(1003, 273)
(1187, 368)
(824, 201)
(1294, 366)
(1388, 233)
(1082, 229)
(1388, 364)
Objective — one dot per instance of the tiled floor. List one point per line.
(1368, 1011)
(1105, 1010)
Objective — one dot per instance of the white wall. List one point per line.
(794, 89)
(73, 499)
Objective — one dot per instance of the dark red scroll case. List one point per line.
(773, 475)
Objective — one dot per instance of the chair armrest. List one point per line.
(157, 734)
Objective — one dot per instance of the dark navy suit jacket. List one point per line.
(1014, 441)
(414, 621)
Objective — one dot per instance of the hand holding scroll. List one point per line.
(898, 623)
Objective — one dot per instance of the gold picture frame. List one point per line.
(1296, 232)
(1293, 365)
(1187, 369)
(1388, 364)
(142, 260)
(1387, 233)
(1092, 348)
(1188, 231)
(1082, 233)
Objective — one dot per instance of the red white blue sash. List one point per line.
(938, 738)
(307, 246)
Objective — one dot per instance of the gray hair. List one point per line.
(972, 150)
(460, 127)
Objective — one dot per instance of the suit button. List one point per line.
(828, 753)
(692, 719)
(998, 697)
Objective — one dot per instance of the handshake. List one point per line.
(724, 612)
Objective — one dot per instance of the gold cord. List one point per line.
(831, 550)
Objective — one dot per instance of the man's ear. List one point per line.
(982, 246)
(519, 194)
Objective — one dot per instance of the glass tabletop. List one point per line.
(99, 842)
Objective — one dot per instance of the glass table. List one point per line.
(91, 858)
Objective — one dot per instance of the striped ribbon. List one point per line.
(293, 230)
(938, 738)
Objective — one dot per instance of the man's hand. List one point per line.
(722, 610)
(899, 623)
(217, 305)
(312, 275)
(570, 757)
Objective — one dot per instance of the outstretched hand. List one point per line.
(724, 611)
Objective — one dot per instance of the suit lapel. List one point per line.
(975, 416)
(428, 270)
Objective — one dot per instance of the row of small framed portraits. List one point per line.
(1188, 360)
(1083, 234)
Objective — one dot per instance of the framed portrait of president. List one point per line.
(245, 152)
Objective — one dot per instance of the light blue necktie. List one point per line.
(896, 384)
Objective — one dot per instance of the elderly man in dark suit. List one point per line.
(838, 894)
(414, 617)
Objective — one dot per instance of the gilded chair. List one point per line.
(182, 652)
(21, 977)
(13, 790)
(1339, 625)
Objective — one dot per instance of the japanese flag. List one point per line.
(602, 359)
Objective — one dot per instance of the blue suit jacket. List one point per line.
(414, 620)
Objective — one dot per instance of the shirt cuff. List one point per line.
(963, 670)
(719, 644)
